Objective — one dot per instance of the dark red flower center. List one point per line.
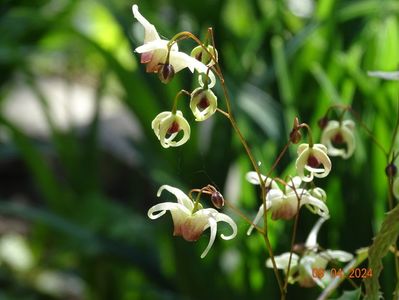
(174, 128)
(338, 139)
(203, 103)
(313, 161)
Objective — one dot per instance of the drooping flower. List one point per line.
(203, 56)
(339, 134)
(302, 267)
(155, 53)
(313, 159)
(283, 204)
(191, 220)
(203, 103)
(167, 126)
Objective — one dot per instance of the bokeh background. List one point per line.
(80, 165)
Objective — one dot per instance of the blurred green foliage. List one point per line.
(84, 207)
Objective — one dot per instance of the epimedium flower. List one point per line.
(337, 134)
(159, 58)
(191, 219)
(303, 266)
(313, 159)
(203, 103)
(203, 56)
(167, 126)
(283, 204)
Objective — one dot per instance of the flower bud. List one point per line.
(217, 199)
(391, 170)
(166, 72)
(295, 136)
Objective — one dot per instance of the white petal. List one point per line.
(320, 147)
(323, 158)
(225, 218)
(300, 165)
(252, 177)
(302, 147)
(181, 60)
(275, 196)
(213, 226)
(318, 206)
(150, 31)
(349, 124)
(256, 220)
(293, 182)
(339, 255)
(350, 141)
(163, 207)
(181, 197)
(311, 241)
(282, 261)
(152, 46)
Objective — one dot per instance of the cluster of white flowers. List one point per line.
(302, 266)
(163, 57)
(189, 217)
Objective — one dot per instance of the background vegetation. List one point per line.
(80, 165)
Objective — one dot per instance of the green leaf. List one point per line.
(383, 240)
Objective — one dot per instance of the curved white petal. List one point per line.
(275, 196)
(294, 182)
(301, 148)
(252, 177)
(181, 197)
(213, 227)
(150, 31)
(225, 218)
(349, 124)
(318, 206)
(155, 125)
(181, 60)
(339, 255)
(186, 131)
(152, 46)
(320, 147)
(323, 158)
(163, 207)
(311, 241)
(301, 163)
(350, 141)
(282, 261)
(259, 215)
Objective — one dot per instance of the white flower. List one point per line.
(302, 267)
(167, 126)
(339, 133)
(154, 52)
(203, 103)
(310, 159)
(190, 221)
(284, 204)
(200, 54)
